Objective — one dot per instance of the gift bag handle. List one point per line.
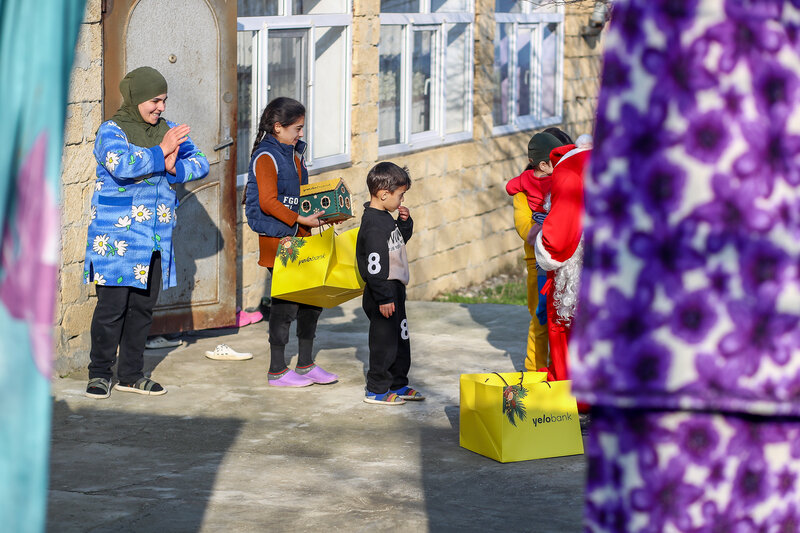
(521, 377)
(323, 223)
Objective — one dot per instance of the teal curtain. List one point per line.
(37, 43)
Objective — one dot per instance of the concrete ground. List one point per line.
(222, 451)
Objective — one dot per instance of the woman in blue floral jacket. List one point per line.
(129, 254)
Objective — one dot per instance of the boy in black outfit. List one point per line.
(382, 261)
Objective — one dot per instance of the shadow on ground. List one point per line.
(116, 470)
(501, 333)
(465, 491)
(222, 451)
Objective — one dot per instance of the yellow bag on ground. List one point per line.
(509, 420)
(317, 270)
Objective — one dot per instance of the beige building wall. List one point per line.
(463, 222)
(75, 301)
(582, 69)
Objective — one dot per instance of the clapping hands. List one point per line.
(170, 145)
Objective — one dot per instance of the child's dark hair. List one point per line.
(387, 176)
(561, 135)
(282, 110)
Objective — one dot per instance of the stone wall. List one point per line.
(75, 302)
(462, 214)
(582, 68)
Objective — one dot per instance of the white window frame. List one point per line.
(534, 120)
(309, 23)
(410, 22)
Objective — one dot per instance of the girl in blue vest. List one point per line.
(272, 197)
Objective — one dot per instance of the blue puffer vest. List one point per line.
(288, 186)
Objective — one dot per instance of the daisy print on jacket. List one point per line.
(112, 160)
(141, 213)
(164, 213)
(123, 222)
(140, 272)
(121, 247)
(100, 244)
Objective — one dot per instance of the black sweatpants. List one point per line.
(122, 318)
(389, 346)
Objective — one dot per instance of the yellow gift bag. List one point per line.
(317, 270)
(518, 416)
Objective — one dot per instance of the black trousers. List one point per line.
(281, 315)
(389, 346)
(122, 318)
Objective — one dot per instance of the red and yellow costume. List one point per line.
(559, 250)
(530, 194)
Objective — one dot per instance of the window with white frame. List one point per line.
(425, 73)
(299, 49)
(528, 64)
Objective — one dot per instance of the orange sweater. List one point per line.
(267, 179)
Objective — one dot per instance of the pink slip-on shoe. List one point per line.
(320, 376)
(243, 318)
(290, 379)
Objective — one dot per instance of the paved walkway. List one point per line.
(224, 452)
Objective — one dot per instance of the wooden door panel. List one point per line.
(193, 43)
(186, 52)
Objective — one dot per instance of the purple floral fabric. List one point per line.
(690, 295)
(655, 471)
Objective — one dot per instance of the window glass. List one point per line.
(442, 6)
(292, 44)
(400, 6)
(457, 78)
(425, 73)
(306, 7)
(549, 70)
(329, 93)
(244, 75)
(257, 8)
(501, 73)
(508, 6)
(422, 82)
(390, 86)
(286, 69)
(526, 6)
(524, 71)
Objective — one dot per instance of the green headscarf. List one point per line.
(140, 85)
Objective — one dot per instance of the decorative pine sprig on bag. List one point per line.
(512, 404)
(289, 249)
(512, 399)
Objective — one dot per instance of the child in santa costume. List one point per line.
(531, 193)
(559, 250)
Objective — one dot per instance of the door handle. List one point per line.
(224, 144)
